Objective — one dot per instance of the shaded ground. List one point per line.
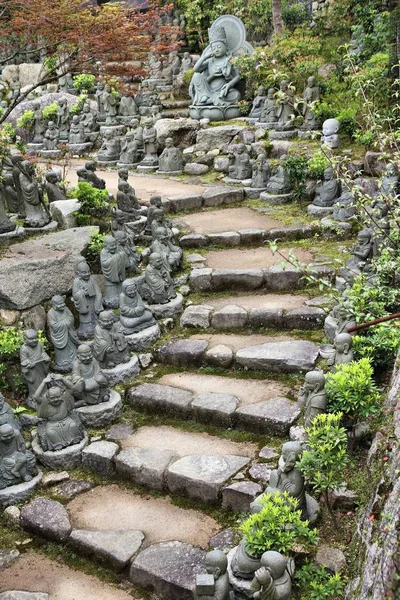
(229, 219)
(252, 258)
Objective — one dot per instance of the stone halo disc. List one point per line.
(234, 29)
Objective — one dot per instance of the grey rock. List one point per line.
(297, 433)
(287, 356)
(206, 159)
(215, 196)
(229, 317)
(279, 148)
(195, 169)
(304, 317)
(20, 595)
(121, 431)
(12, 515)
(115, 548)
(182, 353)
(274, 416)
(168, 569)
(46, 518)
(155, 397)
(260, 472)
(182, 131)
(197, 315)
(67, 458)
(238, 496)
(103, 414)
(186, 202)
(267, 453)
(216, 137)
(201, 476)
(225, 540)
(143, 339)
(343, 498)
(72, 488)
(35, 270)
(219, 356)
(34, 318)
(237, 279)
(200, 280)
(278, 279)
(145, 466)
(227, 239)
(195, 258)
(193, 240)
(62, 212)
(251, 236)
(145, 359)
(374, 163)
(54, 478)
(123, 371)
(331, 558)
(170, 309)
(266, 317)
(20, 492)
(215, 408)
(7, 557)
(313, 509)
(221, 164)
(99, 457)
(320, 301)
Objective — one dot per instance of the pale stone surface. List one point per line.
(46, 518)
(119, 432)
(215, 408)
(268, 453)
(202, 476)
(169, 309)
(123, 371)
(288, 356)
(266, 317)
(20, 595)
(197, 315)
(216, 196)
(225, 540)
(182, 131)
(144, 339)
(62, 212)
(186, 202)
(100, 415)
(72, 488)
(182, 353)
(7, 558)
(297, 433)
(99, 457)
(273, 416)
(227, 239)
(200, 279)
(144, 466)
(12, 515)
(229, 317)
(151, 396)
(220, 356)
(305, 317)
(217, 137)
(18, 493)
(67, 458)
(331, 558)
(238, 496)
(253, 258)
(195, 169)
(236, 279)
(116, 548)
(193, 240)
(54, 478)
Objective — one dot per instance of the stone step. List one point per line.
(210, 196)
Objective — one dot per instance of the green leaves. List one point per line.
(94, 202)
(319, 582)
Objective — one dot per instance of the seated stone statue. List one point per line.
(155, 203)
(258, 103)
(312, 396)
(133, 314)
(61, 426)
(170, 160)
(330, 130)
(109, 346)
(36, 212)
(55, 191)
(17, 464)
(279, 182)
(272, 580)
(9, 193)
(328, 191)
(113, 263)
(63, 336)
(125, 243)
(150, 143)
(34, 362)
(343, 346)
(344, 207)
(131, 149)
(126, 202)
(123, 176)
(96, 181)
(136, 130)
(214, 585)
(269, 108)
(7, 414)
(76, 131)
(110, 148)
(158, 287)
(83, 174)
(240, 165)
(51, 137)
(362, 253)
(90, 384)
(261, 172)
(6, 224)
(88, 121)
(127, 106)
(171, 255)
(87, 298)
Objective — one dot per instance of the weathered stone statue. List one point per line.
(328, 191)
(270, 108)
(362, 253)
(261, 172)
(240, 165)
(63, 336)
(76, 131)
(338, 321)
(137, 132)
(155, 203)
(109, 102)
(150, 144)
(113, 265)
(279, 182)
(96, 181)
(258, 103)
(312, 396)
(272, 580)
(390, 181)
(6, 224)
(39, 126)
(109, 347)
(171, 159)
(54, 190)
(83, 174)
(344, 207)
(343, 346)
(17, 160)
(155, 66)
(131, 149)
(127, 106)
(63, 118)
(36, 213)
(126, 202)
(51, 137)
(17, 464)
(34, 362)
(186, 63)
(123, 177)
(100, 106)
(285, 106)
(9, 192)
(7, 414)
(311, 95)
(110, 148)
(133, 314)
(171, 255)
(87, 299)
(88, 121)
(126, 244)
(90, 384)
(158, 287)
(330, 130)
(61, 426)
(215, 584)
(155, 112)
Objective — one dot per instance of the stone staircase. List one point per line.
(173, 109)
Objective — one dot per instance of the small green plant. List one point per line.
(26, 120)
(296, 168)
(49, 112)
(278, 526)
(244, 107)
(317, 164)
(318, 583)
(77, 108)
(10, 342)
(325, 460)
(9, 132)
(95, 246)
(84, 83)
(379, 344)
(94, 202)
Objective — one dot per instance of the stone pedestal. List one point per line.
(106, 162)
(67, 458)
(336, 225)
(20, 492)
(79, 149)
(251, 192)
(171, 309)
(168, 173)
(139, 225)
(143, 339)
(49, 228)
(35, 147)
(100, 415)
(214, 113)
(132, 166)
(276, 198)
(283, 135)
(123, 372)
(50, 154)
(319, 211)
(117, 130)
(17, 234)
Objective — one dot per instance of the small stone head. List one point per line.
(106, 319)
(123, 174)
(155, 260)
(121, 237)
(275, 563)
(240, 148)
(271, 93)
(343, 343)
(129, 287)
(156, 201)
(169, 143)
(291, 451)
(51, 125)
(161, 234)
(58, 303)
(100, 86)
(55, 396)
(260, 91)
(123, 186)
(134, 123)
(31, 338)
(364, 236)
(328, 174)
(75, 120)
(82, 270)
(27, 167)
(51, 176)
(110, 244)
(86, 108)
(186, 55)
(7, 433)
(330, 127)
(91, 165)
(108, 134)
(82, 173)
(261, 158)
(62, 101)
(284, 85)
(314, 381)
(311, 82)
(85, 354)
(216, 563)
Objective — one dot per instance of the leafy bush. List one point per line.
(325, 460)
(84, 83)
(379, 344)
(9, 132)
(296, 168)
(367, 302)
(317, 164)
(10, 342)
(77, 108)
(318, 583)
(49, 112)
(95, 246)
(347, 119)
(11, 339)
(94, 202)
(278, 526)
(26, 120)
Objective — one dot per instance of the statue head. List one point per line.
(110, 244)
(291, 451)
(86, 108)
(186, 55)
(161, 234)
(121, 237)
(218, 40)
(261, 90)
(169, 142)
(7, 433)
(219, 49)
(106, 319)
(82, 270)
(100, 86)
(134, 123)
(82, 173)
(123, 186)
(51, 125)
(364, 236)
(240, 148)
(156, 201)
(75, 119)
(85, 354)
(284, 85)
(216, 563)
(58, 303)
(314, 381)
(123, 174)
(328, 174)
(27, 167)
(330, 127)
(311, 82)
(54, 395)
(129, 288)
(275, 563)
(343, 343)
(51, 176)
(271, 93)
(261, 158)
(107, 134)
(155, 260)
(31, 338)
(91, 165)
(62, 101)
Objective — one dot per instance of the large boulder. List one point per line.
(217, 137)
(29, 73)
(36, 270)
(182, 131)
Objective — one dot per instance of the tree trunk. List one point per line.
(277, 16)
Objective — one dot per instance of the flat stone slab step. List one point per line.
(115, 548)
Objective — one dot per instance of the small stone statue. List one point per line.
(100, 106)
(261, 172)
(17, 160)
(258, 103)
(126, 244)
(344, 207)
(312, 396)
(34, 362)
(150, 144)
(123, 176)
(311, 95)
(90, 384)
(131, 149)
(338, 321)
(54, 190)
(9, 193)
(134, 316)
(155, 203)
(7, 414)
(186, 63)
(38, 127)
(88, 121)
(61, 426)
(51, 137)
(330, 130)
(362, 253)
(63, 118)
(171, 255)
(240, 165)
(272, 580)
(83, 175)
(109, 346)
(109, 102)
(279, 182)
(87, 299)
(285, 106)
(158, 287)
(269, 108)
(155, 113)
(215, 584)
(62, 334)
(390, 181)
(17, 464)
(343, 346)
(113, 265)
(96, 181)
(6, 224)
(127, 106)
(36, 213)
(110, 148)
(137, 132)
(171, 160)
(127, 202)
(76, 132)
(328, 191)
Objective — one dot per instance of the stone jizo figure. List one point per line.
(328, 191)
(61, 426)
(34, 362)
(258, 103)
(362, 253)
(127, 107)
(312, 396)
(87, 298)
(125, 242)
(123, 176)
(330, 130)
(134, 316)
(131, 149)
(343, 346)
(76, 131)
(8, 193)
(109, 102)
(279, 182)
(90, 384)
(92, 177)
(113, 265)
(137, 131)
(39, 126)
(285, 106)
(36, 213)
(158, 287)
(171, 159)
(269, 108)
(186, 63)
(100, 106)
(7, 414)
(126, 202)
(261, 172)
(17, 464)
(171, 255)
(63, 336)
(51, 137)
(150, 143)
(109, 347)
(55, 191)
(88, 120)
(215, 584)
(155, 203)
(240, 165)
(63, 118)
(110, 148)
(272, 580)
(6, 224)
(344, 208)
(311, 95)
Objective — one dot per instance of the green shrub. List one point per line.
(94, 202)
(367, 302)
(347, 119)
(95, 246)
(76, 108)
(9, 132)
(296, 168)
(26, 120)
(317, 164)
(84, 83)
(49, 112)
(379, 344)
(278, 526)
(318, 583)
(10, 342)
